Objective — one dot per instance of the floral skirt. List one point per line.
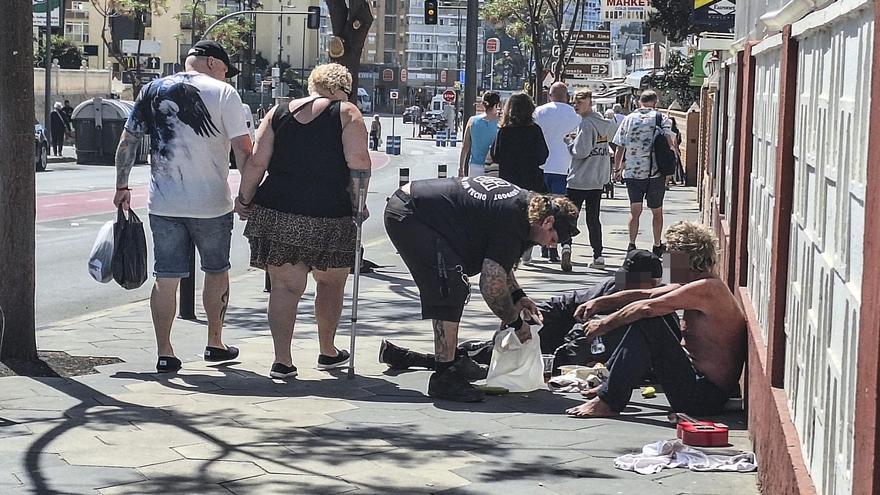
(277, 238)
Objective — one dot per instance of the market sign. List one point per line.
(625, 10)
(717, 16)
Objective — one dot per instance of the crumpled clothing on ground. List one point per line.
(667, 454)
(569, 382)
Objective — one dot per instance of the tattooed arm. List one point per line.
(495, 287)
(126, 153)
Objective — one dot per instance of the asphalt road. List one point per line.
(74, 201)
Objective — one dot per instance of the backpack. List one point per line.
(663, 156)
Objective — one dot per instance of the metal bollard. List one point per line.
(404, 177)
(453, 137)
(441, 171)
(188, 288)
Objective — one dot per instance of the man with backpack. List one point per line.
(642, 160)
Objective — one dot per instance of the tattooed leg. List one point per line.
(215, 298)
(445, 340)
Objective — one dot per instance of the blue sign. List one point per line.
(461, 76)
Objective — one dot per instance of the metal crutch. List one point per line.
(360, 176)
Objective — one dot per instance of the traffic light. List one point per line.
(430, 12)
(314, 18)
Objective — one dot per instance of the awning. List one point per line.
(634, 80)
(613, 92)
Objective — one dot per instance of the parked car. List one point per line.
(41, 147)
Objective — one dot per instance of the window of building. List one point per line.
(371, 39)
(388, 58)
(390, 41)
(390, 24)
(288, 39)
(78, 32)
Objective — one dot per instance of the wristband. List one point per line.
(123, 189)
(517, 295)
(515, 324)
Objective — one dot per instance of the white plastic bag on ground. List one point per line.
(515, 365)
(102, 255)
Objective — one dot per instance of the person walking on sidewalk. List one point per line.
(479, 134)
(589, 172)
(59, 126)
(519, 149)
(633, 159)
(557, 120)
(375, 133)
(447, 230)
(192, 117)
(698, 373)
(300, 220)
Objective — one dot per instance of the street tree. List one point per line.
(235, 35)
(672, 18)
(674, 83)
(351, 23)
(564, 33)
(17, 183)
(523, 20)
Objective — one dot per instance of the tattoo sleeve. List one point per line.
(126, 153)
(495, 287)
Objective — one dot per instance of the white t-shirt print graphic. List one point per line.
(191, 118)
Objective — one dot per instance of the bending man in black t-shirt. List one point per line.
(447, 230)
(641, 270)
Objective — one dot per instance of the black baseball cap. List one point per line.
(210, 48)
(641, 261)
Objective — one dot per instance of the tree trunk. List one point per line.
(343, 19)
(17, 184)
(538, 54)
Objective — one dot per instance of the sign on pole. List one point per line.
(492, 45)
(393, 94)
(387, 75)
(624, 10)
(449, 96)
(403, 75)
(40, 7)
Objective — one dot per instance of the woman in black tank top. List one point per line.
(300, 218)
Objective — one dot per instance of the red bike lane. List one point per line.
(82, 204)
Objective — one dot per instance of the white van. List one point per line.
(363, 101)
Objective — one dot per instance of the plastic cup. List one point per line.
(547, 359)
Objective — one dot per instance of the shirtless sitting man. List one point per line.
(700, 372)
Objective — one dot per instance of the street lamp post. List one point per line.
(470, 76)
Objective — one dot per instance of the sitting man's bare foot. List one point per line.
(593, 408)
(590, 392)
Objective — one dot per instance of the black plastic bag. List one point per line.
(129, 251)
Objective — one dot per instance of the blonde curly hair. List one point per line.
(541, 206)
(697, 241)
(330, 77)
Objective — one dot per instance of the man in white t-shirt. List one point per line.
(633, 159)
(192, 118)
(557, 119)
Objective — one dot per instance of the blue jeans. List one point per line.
(171, 239)
(556, 183)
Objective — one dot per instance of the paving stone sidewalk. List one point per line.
(231, 429)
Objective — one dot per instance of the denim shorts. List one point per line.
(171, 239)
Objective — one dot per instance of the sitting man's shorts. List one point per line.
(652, 190)
(436, 269)
(171, 238)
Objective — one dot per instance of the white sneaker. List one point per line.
(598, 262)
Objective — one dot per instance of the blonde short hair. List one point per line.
(330, 77)
(583, 94)
(695, 240)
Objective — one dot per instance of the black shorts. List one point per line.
(652, 189)
(436, 269)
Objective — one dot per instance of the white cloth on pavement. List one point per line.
(667, 454)
(569, 382)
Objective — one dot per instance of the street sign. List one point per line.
(492, 45)
(624, 10)
(589, 37)
(403, 75)
(39, 9)
(583, 51)
(154, 63)
(393, 94)
(449, 96)
(387, 75)
(147, 47)
(589, 71)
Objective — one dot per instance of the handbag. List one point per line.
(662, 154)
